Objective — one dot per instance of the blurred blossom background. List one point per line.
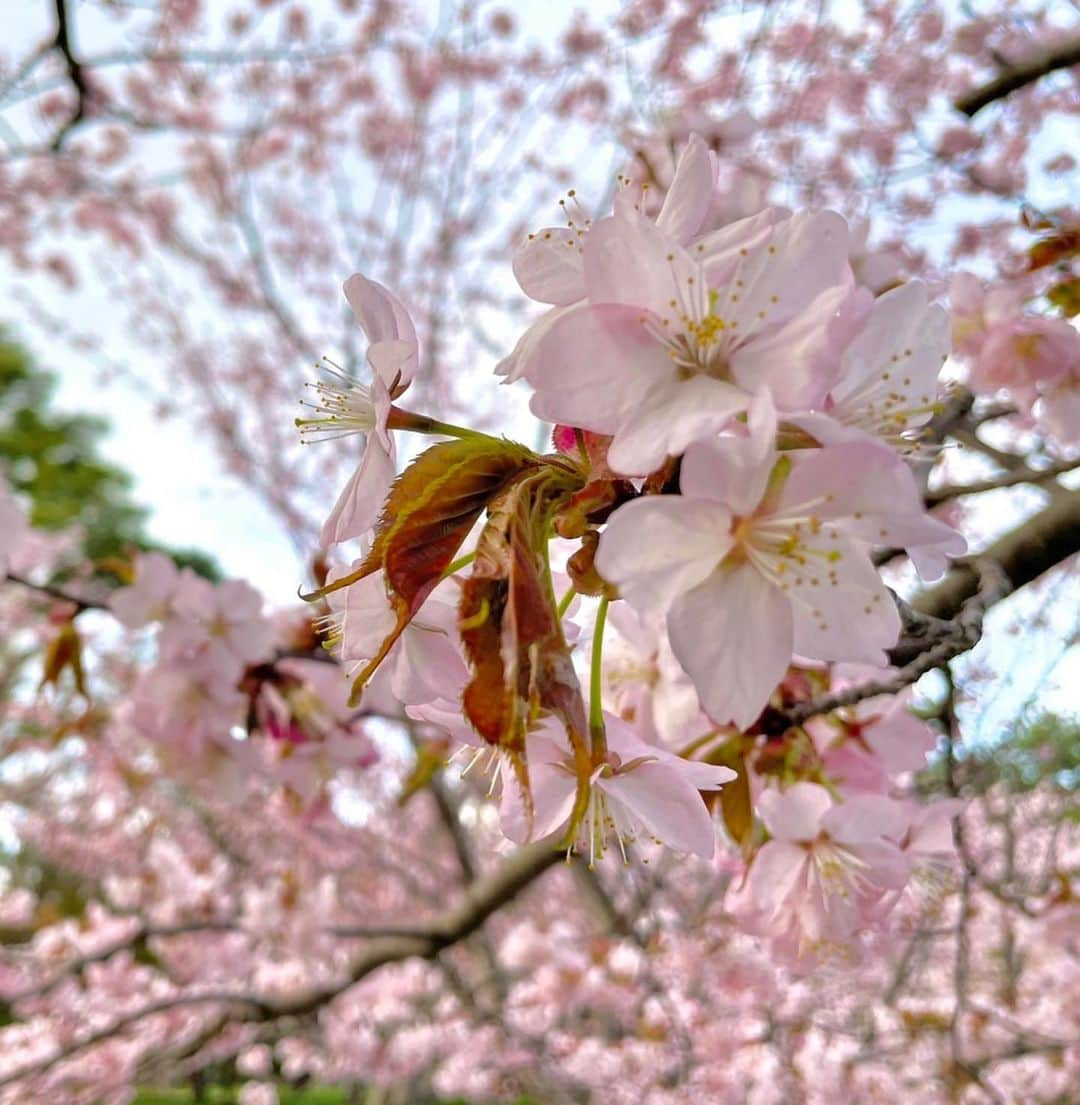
(184, 187)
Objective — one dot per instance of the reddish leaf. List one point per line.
(64, 652)
(429, 512)
(1053, 249)
(509, 622)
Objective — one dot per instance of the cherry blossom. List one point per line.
(424, 664)
(889, 381)
(345, 407)
(264, 878)
(151, 596)
(755, 560)
(824, 873)
(667, 349)
(639, 794)
(865, 747)
(218, 628)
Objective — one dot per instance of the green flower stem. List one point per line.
(421, 424)
(457, 565)
(564, 602)
(596, 710)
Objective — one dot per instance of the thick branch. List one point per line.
(1064, 55)
(953, 610)
(1024, 553)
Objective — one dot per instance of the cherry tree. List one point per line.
(705, 585)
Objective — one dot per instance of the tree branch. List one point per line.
(75, 71)
(963, 634)
(1063, 56)
(1007, 479)
(58, 593)
(482, 898)
(137, 939)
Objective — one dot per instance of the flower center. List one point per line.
(342, 406)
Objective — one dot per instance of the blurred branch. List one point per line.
(75, 71)
(1064, 55)
(137, 939)
(1024, 474)
(59, 593)
(482, 898)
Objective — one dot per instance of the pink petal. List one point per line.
(381, 315)
(732, 634)
(801, 258)
(795, 814)
(776, 871)
(670, 418)
(842, 609)
(660, 795)
(690, 194)
(593, 365)
(863, 818)
(895, 361)
(799, 359)
(549, 266)
(890, 868)
(734, 470)
(631, 261)
(721, 251)
(655, 548)
(393, 361)
(361, 499)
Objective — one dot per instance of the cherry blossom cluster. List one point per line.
(1033, 359)
(641, 635)
(220, 698)
(736, 421)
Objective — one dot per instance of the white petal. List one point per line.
(795, 813)
(361, 499)
(631, 261)
(841, 608)
(776, 871)
(734, 470)
(690, 194)
(659, 795)
(381, 315)
(894, 363)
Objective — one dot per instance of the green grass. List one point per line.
(221, 1095)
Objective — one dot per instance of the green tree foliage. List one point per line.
(1043, 750)
(55, 460)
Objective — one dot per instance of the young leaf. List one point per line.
(510, 624)
(429, 512)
